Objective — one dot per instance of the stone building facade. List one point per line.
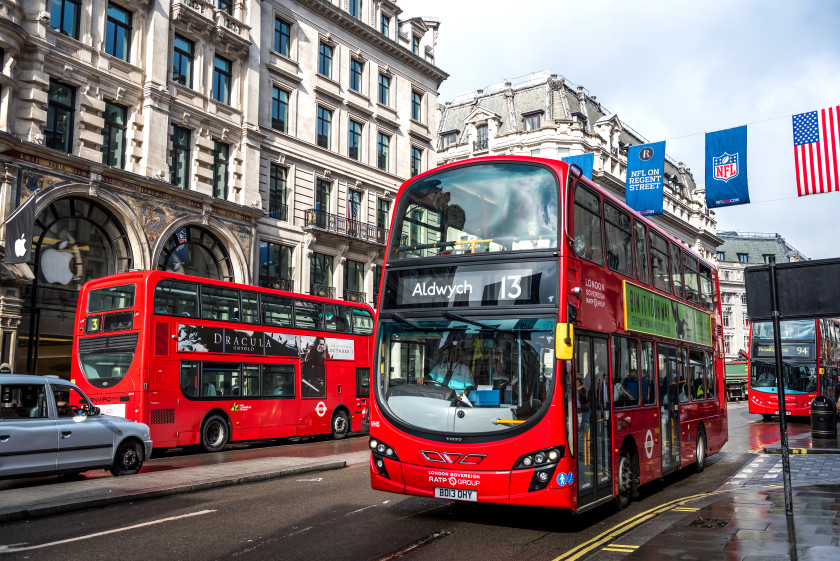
(544, 115)
(257, 141)
(739, 251)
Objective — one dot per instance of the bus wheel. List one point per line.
(626, 479)
(214, 435)
(340, 425)
(700, 461)
(766, 417)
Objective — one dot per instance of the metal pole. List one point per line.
(780, 390)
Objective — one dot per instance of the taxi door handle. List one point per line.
(5, 437)
(66, 433)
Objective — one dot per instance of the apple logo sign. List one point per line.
(20, 246)
(55, 264)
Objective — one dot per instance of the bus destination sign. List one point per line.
(789, 350)
(471, 285)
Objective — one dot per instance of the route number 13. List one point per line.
(511, 287)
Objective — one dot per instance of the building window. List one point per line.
(65, 16)
(275, 266)
(769, 258)
(481, 137)
(721, 256)
(118, 32)
(60, 114)
(277, 192)
(180, 156)
(324, 124)
(221, 153)
(384, 89)
(727, 317)
(416, 105)
(282, 37)
(383, 208)
(320, 270)
(743, 258)
(226, 6)
(221, 80)
(744, 299)
(354, 140)
(532, 121)
(356, 75)
(113, 135)
(325, 60)
(447, 140)
(416, 160)
(322, 196)
(415, 44)
(279, 108)
(354, 204)
(727, 339)
(354, 276)
(383, 142)
(182, 61)
(356, 8)
(384, 25)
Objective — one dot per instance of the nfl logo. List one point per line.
(725, 166)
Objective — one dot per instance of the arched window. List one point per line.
(192, 250)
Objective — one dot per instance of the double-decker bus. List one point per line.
(208, 362)
(810, 365)
(538, 342)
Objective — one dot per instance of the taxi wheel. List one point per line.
(340, 426)
(214, 434)
(700, 461)
(128, 460)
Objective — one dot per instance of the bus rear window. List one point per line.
(111, 298)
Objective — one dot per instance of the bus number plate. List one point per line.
(456, 494)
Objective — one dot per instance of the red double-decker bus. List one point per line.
(207, 362)
(810, 365)
(538, 342)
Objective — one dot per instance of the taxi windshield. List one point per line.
(463, 375)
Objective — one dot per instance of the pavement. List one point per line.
(744, 520)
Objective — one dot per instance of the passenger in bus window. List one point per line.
(630, 387)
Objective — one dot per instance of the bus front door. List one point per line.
(594, 467)
(669, 407)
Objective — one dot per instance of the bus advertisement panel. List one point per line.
(538, 343)
(207, 362)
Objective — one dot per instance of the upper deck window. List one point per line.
(619, 235)
(476, 209)
(588, 240)
(660, 262)
(111, 298)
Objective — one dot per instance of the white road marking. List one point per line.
(313, 479)
(12, 548)
(359, 510)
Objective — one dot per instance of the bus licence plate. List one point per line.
(456, 494)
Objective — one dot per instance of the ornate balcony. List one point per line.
(322, 290)
(354, 296)
(278, 284)
(344, 227)
(479, 145)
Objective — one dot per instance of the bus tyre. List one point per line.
(340, 426)
(626, 479)
(128, 459)
(766, 417)
(214, 434)
(700, 458)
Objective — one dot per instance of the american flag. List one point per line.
(816, 146)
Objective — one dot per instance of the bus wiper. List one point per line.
(452, 315)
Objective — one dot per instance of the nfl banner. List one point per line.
(726, 167)
(645, 170)
(586, 162)
(19, 230)
(816, 147)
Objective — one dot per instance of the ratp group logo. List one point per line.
(725, 166)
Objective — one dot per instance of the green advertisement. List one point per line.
(648, 312)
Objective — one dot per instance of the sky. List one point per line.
(673, 70)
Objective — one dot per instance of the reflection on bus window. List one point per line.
(619, 236)
(362, 322)
(111, 298)
(587, 235)
(692, 288)
(660, 262)
(642, 261)
(791, 329)
(176, 298)
(477, 209)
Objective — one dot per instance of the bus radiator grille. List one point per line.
(163, 416)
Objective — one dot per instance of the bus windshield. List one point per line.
(486, 207)
(799, 377)
(464, 376)
(791, 329)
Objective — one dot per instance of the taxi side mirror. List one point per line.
(563, 337)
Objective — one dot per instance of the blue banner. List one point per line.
(645, 170)
(586, 162)
(726, 167)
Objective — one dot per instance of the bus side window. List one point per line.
(309, 315)
(692, 288)
(362, 322)
(676, 270)
(176, 298)
(619, 240)
(278, 380)
(711, 379)
(276, 310)
(588, 237)
(642, 260)
(660, 262)
(337, 318)
(219, 303)
(250, 307)
(706, 286)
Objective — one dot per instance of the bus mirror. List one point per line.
(563, 338)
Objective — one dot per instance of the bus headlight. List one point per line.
(540, 458)
(378, 452)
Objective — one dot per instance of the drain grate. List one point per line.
(713, 523)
